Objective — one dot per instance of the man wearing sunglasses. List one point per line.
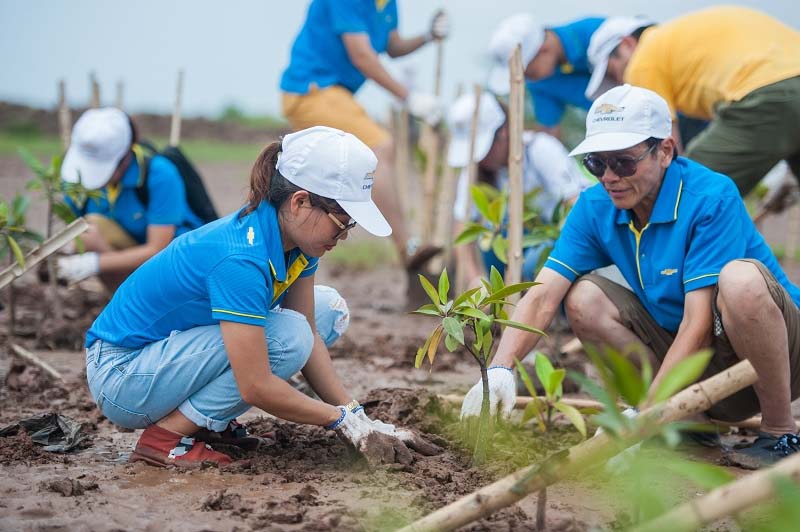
(700, 273)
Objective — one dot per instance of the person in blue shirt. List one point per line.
(221, 318)
(335, 52)
(554, 60)
(103, 156)
(701, 275)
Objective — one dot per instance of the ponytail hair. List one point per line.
(267, 184)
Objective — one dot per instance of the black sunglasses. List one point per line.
(343, 228)
(622, 166)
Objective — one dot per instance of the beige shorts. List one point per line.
(332, 106)
(742, 404)
(113, 233)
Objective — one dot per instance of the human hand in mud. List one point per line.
(502, 394)
(409, 438)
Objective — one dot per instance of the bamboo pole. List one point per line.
(31, 358)
(402, 159)
(94, 102)
(40, 252)
(472, 168)
(119, 101)
(432, 143)
(175, 127)
(64, 115)
(515, 192)
(726, 500)
(507, 491)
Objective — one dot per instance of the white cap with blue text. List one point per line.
(459, 123)
(99, 141)
(335, 165)
(517, 29)
(605, 38)
(623, 117)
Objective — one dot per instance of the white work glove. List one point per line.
(424, 106)
(409, 438)
(380, 426)
(440, 27)
(502, 394)
(376, 446)
(74, 268)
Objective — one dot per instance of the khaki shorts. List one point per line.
(748, 137)
(332, 106)
(113, 233)
(742, 404)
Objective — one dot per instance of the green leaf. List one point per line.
(465, 296)
(573, 415)
(80, 247)
(487, 343)
(16, 250)
(495, 211)
(472, 313)
(554, 384)
(450, 343)
(628, 381)
(496, 280)
(526, 379)
(520, 326)
(19, 206)
(436, 337)
(444, 286)
(422, 351)
(682, 374)
(500, 248)
(32, 162)
(470, 234)
(503, 293)
(427, 312)
(63, 212)
(535, 409)
(429, 289)
(481, 200)
(454, 328)
(544, 369)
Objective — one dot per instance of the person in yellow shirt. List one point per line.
(735, 66)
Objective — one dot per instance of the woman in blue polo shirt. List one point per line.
(103, 156)
(225, 314)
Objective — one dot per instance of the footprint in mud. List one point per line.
(68, 487)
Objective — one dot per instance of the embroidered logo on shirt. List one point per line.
(251, 235)
(668, 271)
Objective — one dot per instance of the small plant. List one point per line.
(477, 312)
(543, 409)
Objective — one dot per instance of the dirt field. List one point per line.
(308, 480)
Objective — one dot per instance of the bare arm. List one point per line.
(125, 260)
(694, 332)
(364, 58)
(536, 309)
(319, 370)
(247, 351)
(399, 46)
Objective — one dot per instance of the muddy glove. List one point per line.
(502, 394)
(424, 106)
(74, 268)
(410, 438)
(377, 447)
(440, 27)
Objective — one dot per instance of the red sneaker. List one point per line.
(236, 434)
(161, 447)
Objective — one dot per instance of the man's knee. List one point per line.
(582, 298)
(742, 287)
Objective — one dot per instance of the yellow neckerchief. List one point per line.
(112, 192)
(292, 273)
(113, 189)
(380, 4)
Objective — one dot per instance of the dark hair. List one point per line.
(652, 141)
(267, 183)
(636, 34)
(134, 130)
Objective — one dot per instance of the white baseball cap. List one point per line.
(100, 139)
(623, 117)
(603, 41)
(335, 165)
(517, 29)
(459, 123)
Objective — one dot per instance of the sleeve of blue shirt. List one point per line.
(167, 193)
(232, 291)
(716, 240)
(348, 16)
(311, 267)
(577, 251)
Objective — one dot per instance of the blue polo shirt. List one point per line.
(699, 223)
(232, 269)
(567, 86)
(319, 57)
(167, 204)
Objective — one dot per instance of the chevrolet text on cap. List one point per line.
(623, 117)
(335, 165)
(99, 141)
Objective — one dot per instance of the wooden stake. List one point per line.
(175, 127)
(120, 99)
(432, 144)
(94, 102)
(64, 115)
(402, 159)
(516, 113)
(27, 356)
(40, 252)
(726, 500)
(506, 491)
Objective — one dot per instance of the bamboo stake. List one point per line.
(120, 99)
(432, 143)
(726, 500)
(94, 102)
(506, 491)
(27, 356)
(175, 127)
(402, 159)
(40, 252)
(64, 116)
(515, 193)
(472, 168)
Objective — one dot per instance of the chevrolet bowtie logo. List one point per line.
(668, 271)
(251, 235)
(608, 108)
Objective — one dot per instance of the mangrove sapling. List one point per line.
(477, 311)
(14, 237)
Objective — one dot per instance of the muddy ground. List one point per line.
(307, 480)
